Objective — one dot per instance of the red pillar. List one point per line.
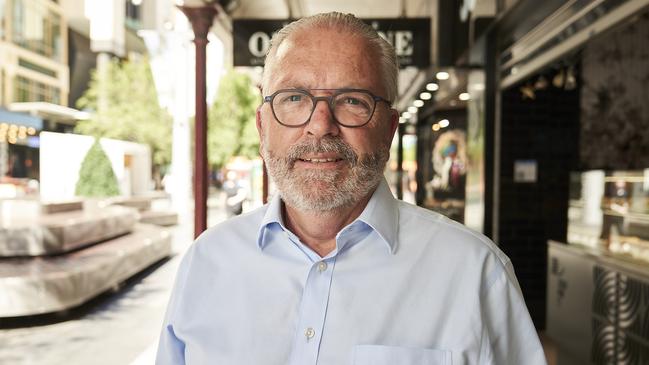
(201, 19)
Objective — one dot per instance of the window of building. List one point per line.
(3, 22)
(37, 28)
(26, 90)
(133, 20)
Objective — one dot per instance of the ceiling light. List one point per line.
(571, 80)
(436, 127)
(444, 123)
(425, 95)
(464, 96)
(418, 103)
(402, 120)
(412, 109)
(406, 115)
(442, 75)
(527, 92)
(432, 87)
(558, 79)
(541, 83)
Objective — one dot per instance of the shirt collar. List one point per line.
(273, 216)
(381, 214)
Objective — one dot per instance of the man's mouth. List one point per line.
(320, 160)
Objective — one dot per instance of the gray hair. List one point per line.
(334, 20)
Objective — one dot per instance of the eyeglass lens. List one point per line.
(352, 108)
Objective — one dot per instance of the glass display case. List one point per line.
(610, 211)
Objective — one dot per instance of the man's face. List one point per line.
(322, 166)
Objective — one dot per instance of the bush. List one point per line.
(96, 176)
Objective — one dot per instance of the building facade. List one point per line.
(33, 50)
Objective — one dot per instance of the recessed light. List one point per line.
(442, 75)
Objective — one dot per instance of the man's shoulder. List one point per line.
(433, 228)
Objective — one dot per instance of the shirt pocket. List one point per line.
(392, 355)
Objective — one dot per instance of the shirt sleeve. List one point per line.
(171, 349)
(510, 334)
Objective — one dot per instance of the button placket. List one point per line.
(313, 309)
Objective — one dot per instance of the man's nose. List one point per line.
(322, 120)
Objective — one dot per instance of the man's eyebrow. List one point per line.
(288, 84)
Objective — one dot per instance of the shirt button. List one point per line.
(322, 266)
(309, 333)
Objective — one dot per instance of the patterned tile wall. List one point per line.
(615, 98)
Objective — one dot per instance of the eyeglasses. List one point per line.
(351, 108)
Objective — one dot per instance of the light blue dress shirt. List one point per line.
(403, 286)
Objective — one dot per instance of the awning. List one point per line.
(20, 119)
(48, 111)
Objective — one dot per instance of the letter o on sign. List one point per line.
(258, 44)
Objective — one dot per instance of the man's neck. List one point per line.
(318, 230)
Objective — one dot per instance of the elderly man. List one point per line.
(334, 270)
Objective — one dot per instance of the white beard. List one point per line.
(325, 191)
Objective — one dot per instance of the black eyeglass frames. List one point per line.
(351, 108)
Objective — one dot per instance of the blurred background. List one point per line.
(128, 126)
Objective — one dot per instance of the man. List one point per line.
(334, 270)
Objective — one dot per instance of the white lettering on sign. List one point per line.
(401, 40)
(258, 44)
(403, 43)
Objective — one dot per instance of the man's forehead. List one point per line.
(321, 51)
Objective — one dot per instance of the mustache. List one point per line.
(327, 144)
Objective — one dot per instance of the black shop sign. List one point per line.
(410, 38)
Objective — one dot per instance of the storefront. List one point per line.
(571, 152)
(536, 95)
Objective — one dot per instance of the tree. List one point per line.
(231, 120)
(96, 176)
(129, 108)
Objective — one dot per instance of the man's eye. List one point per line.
(294, 98)
(352, 101)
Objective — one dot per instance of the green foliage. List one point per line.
(96, 176)
(231, 120)
(126, 107)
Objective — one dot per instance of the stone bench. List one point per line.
(32, 286)
(159, 218)
(48, 234)
(61, 206)
(141, 203)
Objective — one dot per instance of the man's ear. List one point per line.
(260, 129)
(394, 124)
(258, 121)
